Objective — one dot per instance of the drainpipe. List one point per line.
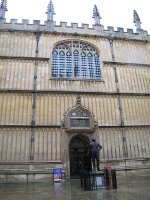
(125, 150)
(37, 34)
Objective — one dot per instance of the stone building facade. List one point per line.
(62, 85)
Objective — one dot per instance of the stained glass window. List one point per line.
(75, 60)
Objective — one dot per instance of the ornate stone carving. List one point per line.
(50, 11)
(79, 119)
(96, 16)
(136, 20)
(3, 9)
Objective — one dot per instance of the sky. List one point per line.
(116, 13)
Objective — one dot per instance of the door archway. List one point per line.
(78, 149)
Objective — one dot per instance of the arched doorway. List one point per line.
(78, 149)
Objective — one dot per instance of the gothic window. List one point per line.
(75, 60)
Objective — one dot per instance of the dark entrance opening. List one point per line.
(78, 149)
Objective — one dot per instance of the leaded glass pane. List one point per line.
(84, 69)
(61, 64)
(67, 62)
(76, 64)
(68, 65)
(97, 66)
(90, 65)
(55, 64)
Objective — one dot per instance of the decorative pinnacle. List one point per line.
(136, 20)
(50, 11)
(3, 8)
(96, 15)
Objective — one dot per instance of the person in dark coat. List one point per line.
(94, 149)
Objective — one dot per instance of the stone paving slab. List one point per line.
(129, 188)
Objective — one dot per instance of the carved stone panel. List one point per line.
(79, 119)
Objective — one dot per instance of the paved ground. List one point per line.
(133, 188)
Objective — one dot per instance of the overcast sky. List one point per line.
(117, 13)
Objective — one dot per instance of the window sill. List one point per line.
(70, 79)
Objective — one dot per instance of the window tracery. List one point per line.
(75, 60)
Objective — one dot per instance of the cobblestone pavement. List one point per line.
(133, 188)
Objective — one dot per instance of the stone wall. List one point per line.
(120, 100)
